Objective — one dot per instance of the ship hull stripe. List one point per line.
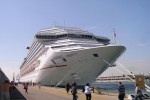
(53, 66)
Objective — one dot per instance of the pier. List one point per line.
(55, 93)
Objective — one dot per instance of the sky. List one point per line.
(21, 19)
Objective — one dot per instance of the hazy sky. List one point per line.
(21, 19)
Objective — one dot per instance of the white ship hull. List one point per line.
(82, 66)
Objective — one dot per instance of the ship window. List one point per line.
(95, 55)
(53, 61)
(70, 35)
(37, 64)
(64, 59)
(58, 46)
(53, 37)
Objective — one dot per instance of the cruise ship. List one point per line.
(61, 55)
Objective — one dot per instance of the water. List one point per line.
(112, 87)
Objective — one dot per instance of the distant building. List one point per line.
(126, 78)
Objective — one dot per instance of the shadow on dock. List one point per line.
(15, 94)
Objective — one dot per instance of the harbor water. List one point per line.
(112, 87)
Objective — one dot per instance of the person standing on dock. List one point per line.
(67, 87)
(121, 91)
(88, 91)
(74, 91)
(39, 85)
(5, 90)
(26, 87)
(138, 93)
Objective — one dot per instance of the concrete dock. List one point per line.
(54, 93)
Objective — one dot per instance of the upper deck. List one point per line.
(58, 32)
(59, 36)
